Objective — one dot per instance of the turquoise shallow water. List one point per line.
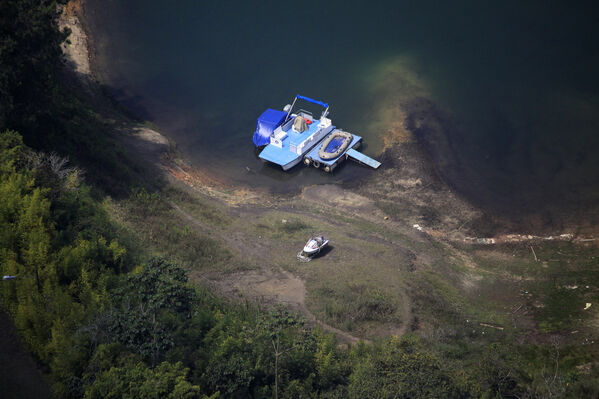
(516, 82)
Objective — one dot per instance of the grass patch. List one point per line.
(442, 305)
(282, 226)
(150, 218)
(397, 210)
(198, 208)
(354, 304)
(560, 283)
(563, 308)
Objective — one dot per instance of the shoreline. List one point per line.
(407, 152)
(169, 159)
(79, 52)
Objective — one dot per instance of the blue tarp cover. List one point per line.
(334, 144)
(267, 123)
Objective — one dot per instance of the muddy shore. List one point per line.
(407, 200)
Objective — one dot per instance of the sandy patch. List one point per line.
(334, 195)
(150, 136)
(208, 185)
(265, 286)
(75, 48)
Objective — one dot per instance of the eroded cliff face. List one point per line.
(76, 48)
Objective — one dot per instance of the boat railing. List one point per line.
(303, 112)
(287, 125)
(322, 104)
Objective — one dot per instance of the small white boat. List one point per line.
(313, 246)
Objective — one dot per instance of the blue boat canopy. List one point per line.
(267, 123)
(325, 105)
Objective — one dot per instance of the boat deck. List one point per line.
(283, 156)
(330, 164)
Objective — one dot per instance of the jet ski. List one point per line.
(313, 246)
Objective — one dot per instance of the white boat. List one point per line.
(313, 246)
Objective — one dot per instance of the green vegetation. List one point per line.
(53, 116)
(402, 369)
(30, 50)
(150, 216)
(357, 303)
(280, 226)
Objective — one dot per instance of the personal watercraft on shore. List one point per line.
(313, 246)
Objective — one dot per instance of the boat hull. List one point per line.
(290, 153)
(291, 164)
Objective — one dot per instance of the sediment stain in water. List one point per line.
(513, 84)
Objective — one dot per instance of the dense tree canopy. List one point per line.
(135, 380)
(400, 369)
(30, 58)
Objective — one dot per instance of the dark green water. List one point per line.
(516, 82)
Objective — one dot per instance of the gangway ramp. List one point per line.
(364, 159)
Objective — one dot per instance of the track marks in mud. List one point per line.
(266, 284)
